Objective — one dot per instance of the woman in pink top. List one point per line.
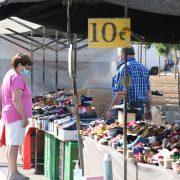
(16, 109)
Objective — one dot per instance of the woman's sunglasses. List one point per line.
(28, 67)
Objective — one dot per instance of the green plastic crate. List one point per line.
(71, 154)
(46, 154)
(61, 160)
(51, 165)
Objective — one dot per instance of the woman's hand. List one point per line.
(17, 100)
(25, 123)
(0, 102)
(148, 115)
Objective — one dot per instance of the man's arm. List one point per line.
(117, 98)
(148, 115)
(149, 101)
(118, 94)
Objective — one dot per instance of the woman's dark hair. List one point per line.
(22, 59)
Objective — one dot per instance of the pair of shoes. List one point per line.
(86, 101)
(17, 176)
(137, 150)
(142, 129)
(110, 121)
(53, 111)
(136, 128)
(114, 131)
(70, 126)
(105, 140)
(114, 125)
(53, 117)
(63, 120)
(113, 140)
(99, 130)
(150, 131)
(138, 140)
(131, 138)
(160, 130)
(38, 111)
(88, 117)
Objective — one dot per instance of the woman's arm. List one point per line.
(17, 94)
(0, 102)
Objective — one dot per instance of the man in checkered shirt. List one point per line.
(139, 93)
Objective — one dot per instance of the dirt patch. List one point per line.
(167, 85)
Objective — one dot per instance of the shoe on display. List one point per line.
(70, 126)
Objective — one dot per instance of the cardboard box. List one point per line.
(66, 135)
(102, 98)
(130, 117)
(158, 100)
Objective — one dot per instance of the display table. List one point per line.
(93, 162)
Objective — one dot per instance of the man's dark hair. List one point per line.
(130, 51)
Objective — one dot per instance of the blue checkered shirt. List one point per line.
(140, 85)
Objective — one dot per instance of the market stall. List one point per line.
(69, 25)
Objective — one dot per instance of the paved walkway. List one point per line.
(4, 169)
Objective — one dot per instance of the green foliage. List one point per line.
(163, 49)
(176, 46)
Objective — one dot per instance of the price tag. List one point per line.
(109, 32)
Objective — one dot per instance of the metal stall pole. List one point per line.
(56, 86)
(176, 63)
(145, 54)
(159, 65)
(36, 153)
(32, 60)
(140, 53)
(43, 47)
(73, 40)
(37, 130)
(125, 104)
(179, 86)
(75, 97)
(36, 138)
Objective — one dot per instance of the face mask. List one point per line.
(25, 72)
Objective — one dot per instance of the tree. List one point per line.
(166, 50)
(175, 48)
(163, 49)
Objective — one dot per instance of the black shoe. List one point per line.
(156, 93)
